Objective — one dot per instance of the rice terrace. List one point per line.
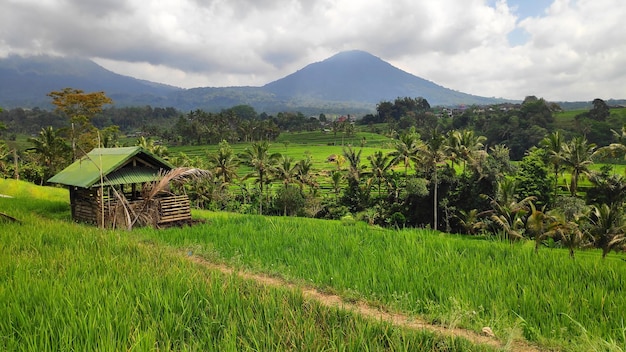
(243, 276)
(495, 225)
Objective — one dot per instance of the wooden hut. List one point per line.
(106, 189)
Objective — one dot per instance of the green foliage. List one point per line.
(533, 178)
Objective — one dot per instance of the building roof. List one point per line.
(118, 165)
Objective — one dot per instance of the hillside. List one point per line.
(24, 82)
(349, 82)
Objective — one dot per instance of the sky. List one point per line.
(561, 50)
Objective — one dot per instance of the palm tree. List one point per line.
(508, 212)
(380, 165)
(608, 227)
(354, 159)
(286, 170)
(566, 231)
(405, 150)
(50, 149)
(224, 163)
(304, 175)
(553, 144)
(337, 178)
(432, 153)
(537, 224)
(465, 145)
(149, 145)
(257, 157)
(471, 221)
(577, 157)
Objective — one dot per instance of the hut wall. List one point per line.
(84, 204)
(88, 207)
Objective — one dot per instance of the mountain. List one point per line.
(357, 76)
(25, 81)
(348, 82)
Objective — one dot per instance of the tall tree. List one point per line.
(577, 157)
(466, 145)
(223, 162)
(380, 165)
(51, 151)
(80, 108)
(553, 144)
(258, 157)
(406, 148)
(433, 152)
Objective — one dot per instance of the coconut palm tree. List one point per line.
(380, 164)
(608, 227)
(553, 144)
(405, 150)
(304, 175)
(508, 212)
(433, 152)
(537, 224)
(286, 170)
(257, 157)
(353, 157)
(224, 163)
(577, 157)
(465, 145)
(51, 150)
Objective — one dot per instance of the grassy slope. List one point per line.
(71, 287)
(454, 280)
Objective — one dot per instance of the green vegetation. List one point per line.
(72, 287)
(454, 280)
(79, 287)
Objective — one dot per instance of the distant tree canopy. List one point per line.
(80, 108)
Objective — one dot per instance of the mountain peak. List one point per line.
(359, 76)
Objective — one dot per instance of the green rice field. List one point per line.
(67, 286)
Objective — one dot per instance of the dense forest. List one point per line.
(512, 170)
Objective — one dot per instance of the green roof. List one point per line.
(116, 167)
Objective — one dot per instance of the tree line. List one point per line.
(442, 173)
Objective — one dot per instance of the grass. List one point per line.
(71, 287)
(453, 280)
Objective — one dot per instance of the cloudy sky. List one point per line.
(556, 49)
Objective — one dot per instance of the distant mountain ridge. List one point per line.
(351, 81)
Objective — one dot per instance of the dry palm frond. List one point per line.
(147, 212)
(177, 175)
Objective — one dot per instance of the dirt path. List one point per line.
(363, 309)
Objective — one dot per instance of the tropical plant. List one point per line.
(432, 153)
(150, 145)
(257, 157)
(224, 163)
(405, 150)
(466, 146)
(567, 232)
(553, 144)
(380, 165)
(50, 150)
(304, 174)
(286, 170)
(577, 157)
(608, 227)
(509, 213)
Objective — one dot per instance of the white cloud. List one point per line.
(575, 50)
